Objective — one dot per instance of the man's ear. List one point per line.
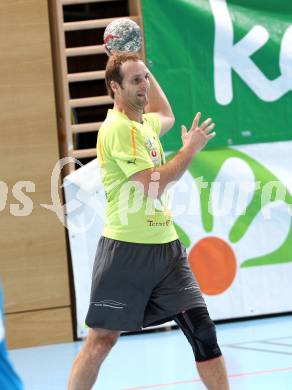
(114, 86)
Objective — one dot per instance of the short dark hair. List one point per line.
(113, 68)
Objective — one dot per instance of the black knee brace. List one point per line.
(200, 332)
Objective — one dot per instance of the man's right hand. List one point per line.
(198, 136)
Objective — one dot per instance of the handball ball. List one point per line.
(122, 35)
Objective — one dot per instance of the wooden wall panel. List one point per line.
(33, 259)
(38, 327)
(34, 267)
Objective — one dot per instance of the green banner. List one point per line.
(231, 60)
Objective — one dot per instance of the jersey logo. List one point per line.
(153, 151)
(149, 143)
(133, 161)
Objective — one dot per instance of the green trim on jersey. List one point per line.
(125, 147)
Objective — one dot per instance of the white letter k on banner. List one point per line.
(229, 56)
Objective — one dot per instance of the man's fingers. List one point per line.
(196, 121)
(205, 124)
(209, 128)
(211, 135)
(106, 50)
(183, 130)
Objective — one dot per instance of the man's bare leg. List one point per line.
(213, 374)
(86, 366)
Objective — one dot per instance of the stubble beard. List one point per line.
(142, 102)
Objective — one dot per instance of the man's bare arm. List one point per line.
(193, 141)
(159, 104)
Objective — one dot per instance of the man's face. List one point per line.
(135, 85)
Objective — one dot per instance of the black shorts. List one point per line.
(138, 285)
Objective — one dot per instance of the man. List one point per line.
(9, 380)
(141, 276)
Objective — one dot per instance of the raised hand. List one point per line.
(199, 135)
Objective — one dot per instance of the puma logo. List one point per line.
(132, 161)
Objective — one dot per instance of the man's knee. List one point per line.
(200, 332)
(101, 341)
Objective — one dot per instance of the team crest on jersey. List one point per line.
(153, 150)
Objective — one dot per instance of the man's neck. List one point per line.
(132, 113)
